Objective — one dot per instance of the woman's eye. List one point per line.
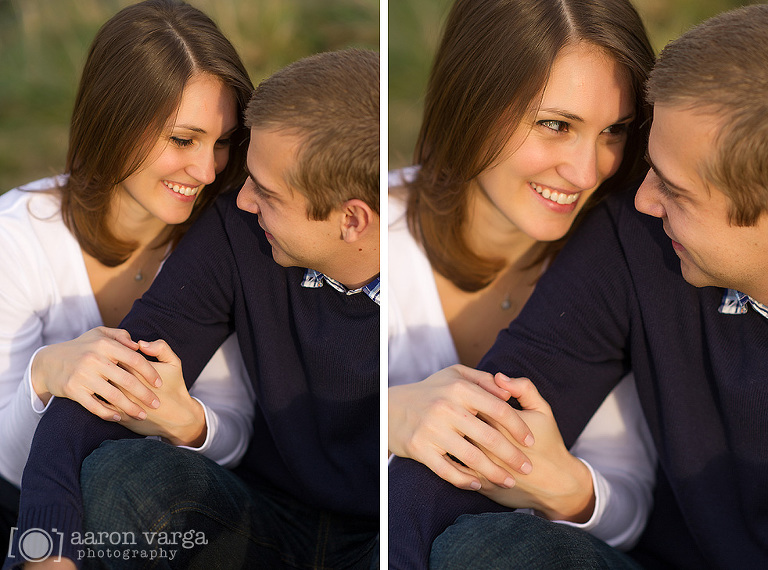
(181, 143)
(617, 129)
(557, 126)
(223, 143)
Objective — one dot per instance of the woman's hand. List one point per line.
(180, 419)
(559, 486)
(95, 364)
(451, 413)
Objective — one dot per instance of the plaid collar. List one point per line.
(736, 303)
(314, 279)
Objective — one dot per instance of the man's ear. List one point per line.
(357, 218)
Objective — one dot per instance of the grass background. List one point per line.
(414, 30)
(43, 44)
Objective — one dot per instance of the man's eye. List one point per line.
(664, 189)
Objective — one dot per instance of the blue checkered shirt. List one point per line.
(736, 303)
(313, 279)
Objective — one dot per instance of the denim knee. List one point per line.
(517, 540)
(138, 475)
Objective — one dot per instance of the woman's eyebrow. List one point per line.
(576, 118)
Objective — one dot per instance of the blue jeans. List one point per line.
(158, 506)
(495, 541)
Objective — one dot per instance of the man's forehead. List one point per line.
(272, 159)
(683, 143)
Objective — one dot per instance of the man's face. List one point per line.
(712, 252)
(295, 239)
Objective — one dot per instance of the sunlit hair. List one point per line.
(132, 83)
(331, 101)
(490, 70)
(720, 68)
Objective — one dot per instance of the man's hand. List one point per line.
(560, 486)
(180, 419)
(449, 413)
(95, 364)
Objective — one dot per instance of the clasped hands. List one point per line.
(104, 370)
(515, 457)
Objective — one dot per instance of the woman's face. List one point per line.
(558, 157)
(191, 151)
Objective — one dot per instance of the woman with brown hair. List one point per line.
(533, 112)
(156, 135)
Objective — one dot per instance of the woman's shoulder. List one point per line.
(37, 199)
(397, 197)
(401, 176)
(31, 225)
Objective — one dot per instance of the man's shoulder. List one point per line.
(621, 203)
(617, 214)
(228, 221)
(226, 204)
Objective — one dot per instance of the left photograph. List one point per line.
(189, 307)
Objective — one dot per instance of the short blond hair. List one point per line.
(331, 101)
(720, 68)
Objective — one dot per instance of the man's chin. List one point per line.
(695, 277)
(282, 259)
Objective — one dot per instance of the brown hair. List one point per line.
(331, 100)
(492, 64)
(136, 70)
(720, 67)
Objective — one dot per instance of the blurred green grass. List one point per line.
(43, 44)
(414, 30)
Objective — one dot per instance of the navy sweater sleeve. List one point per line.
(50, 497)
(190, 303)
(574, 329)
(188, 306)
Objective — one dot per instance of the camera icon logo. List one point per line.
(36, 544)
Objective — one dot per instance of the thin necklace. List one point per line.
(140, 273)
(506, 303)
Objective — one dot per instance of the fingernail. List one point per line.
(509, 482)
(142, 415)
(526, 468)
(475, 485)
(158, 383)
(116, 418)
(155, 403)
(528, 440)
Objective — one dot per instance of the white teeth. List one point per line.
(554, 195)
(184, 190)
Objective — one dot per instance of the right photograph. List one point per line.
(577, 290)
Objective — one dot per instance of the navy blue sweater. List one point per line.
(311, 354)
(614, 300)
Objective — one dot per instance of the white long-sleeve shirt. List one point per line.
(46, 298)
